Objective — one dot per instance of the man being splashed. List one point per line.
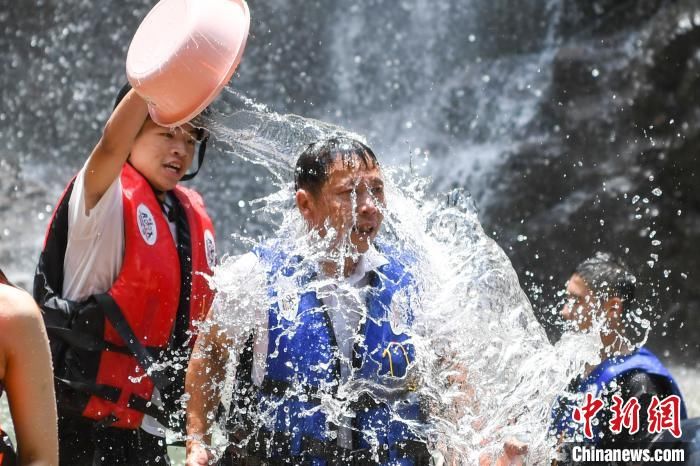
(327, 320)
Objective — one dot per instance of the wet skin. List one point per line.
(583, 307)
(163, 155)
(581, 303)
(350, 202)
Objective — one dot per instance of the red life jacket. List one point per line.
(147, 291)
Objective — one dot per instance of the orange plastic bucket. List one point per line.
(183, 54)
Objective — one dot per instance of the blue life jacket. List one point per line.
(603, 375)
(302, 364)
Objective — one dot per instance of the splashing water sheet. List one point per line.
(484, 369)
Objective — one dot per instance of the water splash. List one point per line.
(484, 369)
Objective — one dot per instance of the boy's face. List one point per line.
(350, 202)
(163, 155)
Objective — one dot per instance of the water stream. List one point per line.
(485, 367)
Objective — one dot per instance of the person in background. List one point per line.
(121, 282)
(601, 291)
(25, 374)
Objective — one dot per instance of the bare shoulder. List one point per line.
(17, 309)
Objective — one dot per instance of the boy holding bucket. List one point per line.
(121, 278)
(120, 282)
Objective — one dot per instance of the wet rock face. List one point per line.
(617, 165)
(555, 114)
(581, 18)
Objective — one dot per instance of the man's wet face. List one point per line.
(350, 203)
(581, 304)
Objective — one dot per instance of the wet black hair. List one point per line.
(201, 135)
(313, 165)
(4, 280)
(121, 94)
(607, 275)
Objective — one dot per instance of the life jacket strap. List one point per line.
(337, 456)
(266, 448)
(280, 387)
(87, 342)
(113, 394)
(273, 448)
(365, 402)
(149, 409)
(264, 444)
(415, 450)
(103, 391)
(145, 359)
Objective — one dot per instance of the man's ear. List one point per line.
(305, 203)
(613, 309)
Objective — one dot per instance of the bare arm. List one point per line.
(205, 373)
(28, 378)
(237, 280)
(467, 402)
(113, 148)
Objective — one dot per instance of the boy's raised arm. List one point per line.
(113, 148)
